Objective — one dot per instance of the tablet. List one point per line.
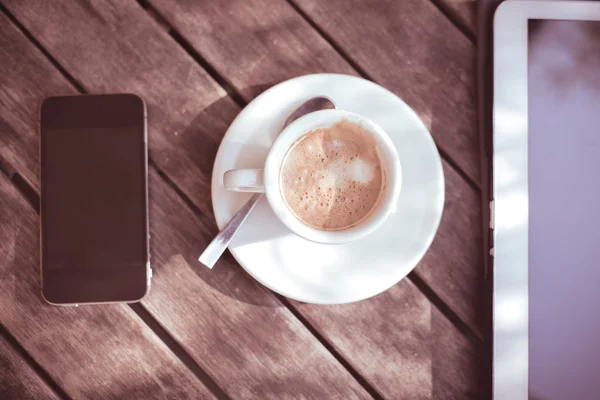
(546, 213)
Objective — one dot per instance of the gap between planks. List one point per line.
(453, 17)
(37, 368)
(178, 350)
(33, 199)
(330, 348)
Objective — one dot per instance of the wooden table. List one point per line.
(219, 334)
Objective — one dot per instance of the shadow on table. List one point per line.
(24, 268)
(230, 279)
(187, 233)
(256, 90)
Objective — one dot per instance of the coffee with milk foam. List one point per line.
(332, 178)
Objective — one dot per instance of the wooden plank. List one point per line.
(253, 44)
(184, 328)
(404, 347)
(17, 379)
(105, 352)
(453, 266)
(407, 46)
(462, 12)
(232, 327)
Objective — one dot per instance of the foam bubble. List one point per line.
(331, 178)
(360, 171)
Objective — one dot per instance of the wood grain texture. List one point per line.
(405, 348)
(91, 352)
(407, 46)
(18, 136)
(453, 266)
(232, 327)
(253, 44)
(462, 12)
(226, 31)
(17, 379)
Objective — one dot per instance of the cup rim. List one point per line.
(322, 119)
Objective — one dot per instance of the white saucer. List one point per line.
(326, 274)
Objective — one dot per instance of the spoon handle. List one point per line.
(216, 248)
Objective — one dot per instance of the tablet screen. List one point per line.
(564, 209)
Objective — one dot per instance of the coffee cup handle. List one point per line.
(244, 180)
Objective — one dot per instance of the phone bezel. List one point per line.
(87, 116)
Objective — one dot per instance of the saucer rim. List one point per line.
(426, 243)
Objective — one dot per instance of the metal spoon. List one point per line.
(216, 248)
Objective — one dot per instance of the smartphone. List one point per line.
(94, 199)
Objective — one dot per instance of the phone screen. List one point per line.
(94, 199)
(564, 215)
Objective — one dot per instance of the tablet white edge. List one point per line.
(510, 186)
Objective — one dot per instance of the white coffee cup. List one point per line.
(267, 180)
